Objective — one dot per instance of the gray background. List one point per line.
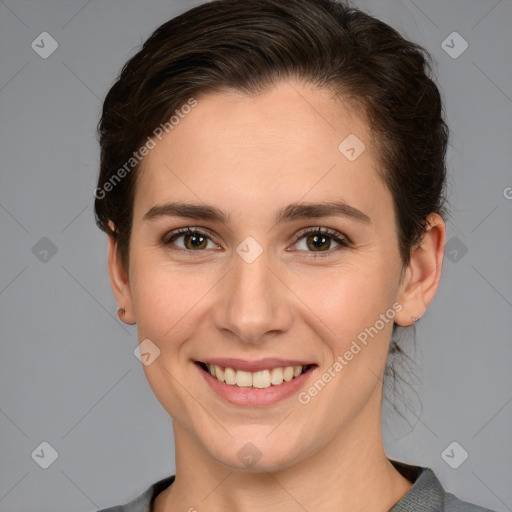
(68, 375)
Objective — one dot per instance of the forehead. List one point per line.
(289, 142)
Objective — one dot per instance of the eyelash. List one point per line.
(331, 233)
(334, 235)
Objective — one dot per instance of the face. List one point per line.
(266, 279)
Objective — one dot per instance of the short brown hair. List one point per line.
(248, 45)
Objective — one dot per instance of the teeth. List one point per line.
(261, 379)
(229, 376)
(219, 373)
(276, 376)
(288, 373)
(243, 379)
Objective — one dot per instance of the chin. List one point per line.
(256, 454)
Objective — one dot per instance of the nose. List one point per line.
(253, 303)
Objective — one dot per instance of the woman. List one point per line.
(272, 187)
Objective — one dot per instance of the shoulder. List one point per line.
(454, 504)
(427, 494)
(143, 502)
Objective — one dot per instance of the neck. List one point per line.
(336, 477)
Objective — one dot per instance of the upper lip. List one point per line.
(254, 366)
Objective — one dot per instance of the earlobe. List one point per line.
(120, 283)
(422, 276)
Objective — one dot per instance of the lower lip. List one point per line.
(254, 396)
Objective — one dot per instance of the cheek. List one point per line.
(346, 300)
(166, 297)
(167, 301)
(353, 315)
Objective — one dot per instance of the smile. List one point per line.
(260, 379)
(257, 383)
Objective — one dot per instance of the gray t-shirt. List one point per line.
(426, 494)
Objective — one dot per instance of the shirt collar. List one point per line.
(426, 493)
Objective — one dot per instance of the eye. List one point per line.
(192, 239)
(319, 240)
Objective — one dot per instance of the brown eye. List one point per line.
(195, 241)
(188, 239)
(315, 242)
(320, 240)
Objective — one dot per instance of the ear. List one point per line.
(119, 281)
(421, 277)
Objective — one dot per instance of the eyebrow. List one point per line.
(294, 211)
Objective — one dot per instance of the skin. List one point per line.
(252, 156)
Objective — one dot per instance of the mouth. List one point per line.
(263, 378)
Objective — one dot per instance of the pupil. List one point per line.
(196, 240)
(319, 241)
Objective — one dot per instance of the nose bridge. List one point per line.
(253, 300)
